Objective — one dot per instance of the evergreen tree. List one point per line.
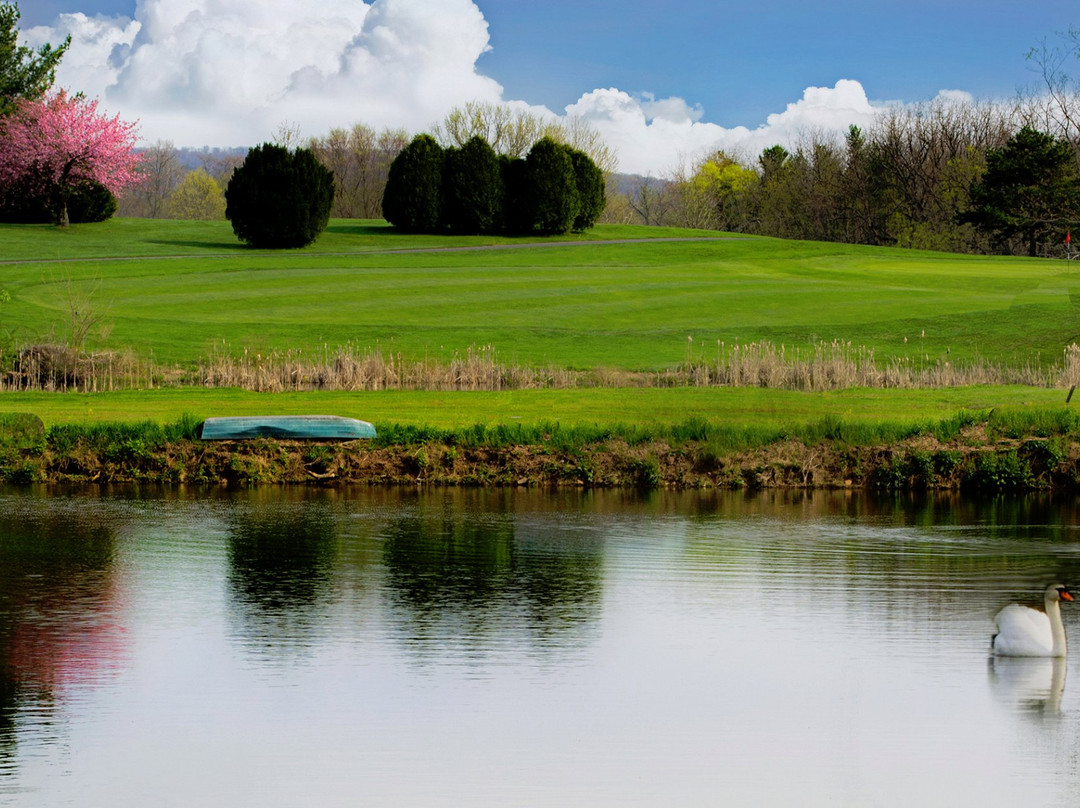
(24, 73)
(472, 188)
(279, 198)
(589, 180)
(515, 214)
(412, 200)
(551, 202)
(1030, 190)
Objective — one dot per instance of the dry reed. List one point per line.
(818, 367)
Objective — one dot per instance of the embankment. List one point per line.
(976, 457)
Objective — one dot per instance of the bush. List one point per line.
(552, 196)
(472, 190)
(412, 199)
(87, 202)
(278, 198)
(590, 189)
(472, 196)
(515, 217)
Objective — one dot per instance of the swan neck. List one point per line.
(1057, 628)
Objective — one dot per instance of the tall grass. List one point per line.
(822, 366)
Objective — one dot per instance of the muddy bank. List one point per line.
(973, 462)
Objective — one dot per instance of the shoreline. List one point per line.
(971, 462)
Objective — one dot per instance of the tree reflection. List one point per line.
(281, 557)
(59, 612)
(471, 583)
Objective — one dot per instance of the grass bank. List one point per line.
(732, 438)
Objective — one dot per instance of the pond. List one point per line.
(285, 647)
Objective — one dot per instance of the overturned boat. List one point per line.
(287, 427)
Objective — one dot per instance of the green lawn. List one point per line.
(735, 407)
(182, 290)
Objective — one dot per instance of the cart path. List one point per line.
(240, 251)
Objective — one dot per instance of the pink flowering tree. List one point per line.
(51, 146)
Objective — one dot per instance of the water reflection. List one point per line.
(480, 647)
(281, 558)
(1030, 685)
(60, 613)
(489, 579)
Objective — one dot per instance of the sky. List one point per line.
(664, 83)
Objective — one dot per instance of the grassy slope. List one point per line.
(193, 290)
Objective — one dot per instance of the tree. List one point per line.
(60, 143)
(197, 198)
(279, 198)
(472, 188)
(1030, 189)
(510, 132)
(727, 190)
(412, 200)
(360, 159)
(25, 74)
(87, 202)
(590, 189)
(552, 198)
(161, 173)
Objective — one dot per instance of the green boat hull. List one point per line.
(287, 427)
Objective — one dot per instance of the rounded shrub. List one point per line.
(279, 198)
(87, 202)
(412, 199)
(472, 188)
(551, 187)
(592, 198)
(516, 217)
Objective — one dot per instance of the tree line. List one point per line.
(472, 190)
(946, 175)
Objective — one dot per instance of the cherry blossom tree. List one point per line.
(52, 146)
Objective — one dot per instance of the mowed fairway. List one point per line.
(185, 290)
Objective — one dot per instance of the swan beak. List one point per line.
(1066, 595)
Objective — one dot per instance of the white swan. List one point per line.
(1028, 632)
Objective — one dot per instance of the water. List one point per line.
(298, 648)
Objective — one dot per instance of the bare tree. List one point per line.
(161, 173)
(1061, 105)
(360, 159)
(654, 200)
(513, 131)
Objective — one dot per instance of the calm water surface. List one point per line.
(347, 648)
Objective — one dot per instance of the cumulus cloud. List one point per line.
(231, 72)
(643, 129)
(200, 72)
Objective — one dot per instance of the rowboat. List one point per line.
(290, 427)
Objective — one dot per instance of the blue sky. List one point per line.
(730, 64)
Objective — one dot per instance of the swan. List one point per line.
(1023, 631)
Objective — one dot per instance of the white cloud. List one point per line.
(231, 72)
(655, 136)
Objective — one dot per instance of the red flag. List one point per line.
(1068, 237)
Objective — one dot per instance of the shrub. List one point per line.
(412, 199)
(590, 189)
(87, 202)
(552, 198)
(515, 216)
(278, 198)
(472, 188)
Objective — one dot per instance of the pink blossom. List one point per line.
(48, 146)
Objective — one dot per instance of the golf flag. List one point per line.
(1068, 238)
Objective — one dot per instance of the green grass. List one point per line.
(181, 290)
(740, 408)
